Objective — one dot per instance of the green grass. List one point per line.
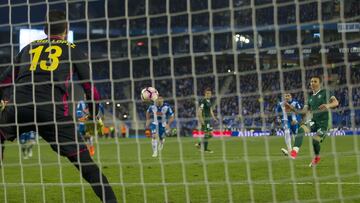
(236, 163)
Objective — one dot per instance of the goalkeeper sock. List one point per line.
(91, 173)
(154, 145)
(316, 146)
(299, 138)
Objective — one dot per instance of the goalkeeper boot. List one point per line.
(315, 161)
(285, 152)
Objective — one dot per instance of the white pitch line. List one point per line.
(307, 183)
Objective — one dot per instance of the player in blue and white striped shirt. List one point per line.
(289, 120)
(159, 117)
(27, 140)
(82, 112)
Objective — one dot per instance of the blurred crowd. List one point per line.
(242, 100)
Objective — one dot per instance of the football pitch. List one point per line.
(250, 169)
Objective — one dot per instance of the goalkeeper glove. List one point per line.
(3, 105)
(100, 122)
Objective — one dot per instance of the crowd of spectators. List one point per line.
(198, 27)
(186, 71)
(238, 88)
(245, 107)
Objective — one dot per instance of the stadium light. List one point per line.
(118, 105)
(241, 38)
(237, 37)
(26, 36)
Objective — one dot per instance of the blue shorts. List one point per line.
(26, 137)
(158, 129)
(293, 128)
(82, 129)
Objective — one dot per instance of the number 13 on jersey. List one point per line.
(53, 58)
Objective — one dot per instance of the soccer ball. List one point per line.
(149, 94)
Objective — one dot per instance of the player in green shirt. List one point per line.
(319, 105)
(205, 114)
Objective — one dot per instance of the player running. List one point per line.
(82, 114)
(319, 105)
(27, 141)
(43, 73)
(159, 117)
(289, 120)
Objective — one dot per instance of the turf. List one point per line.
(248, 169)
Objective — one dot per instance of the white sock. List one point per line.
(287, 138)
(296, 149)
(24, 149)
(154, 145)
(91, 141)
(29, 150)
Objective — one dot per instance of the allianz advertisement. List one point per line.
(258, 133)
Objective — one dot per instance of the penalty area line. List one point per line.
(303, 183)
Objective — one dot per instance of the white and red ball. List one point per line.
(149, 94)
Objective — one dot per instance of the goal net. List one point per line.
(248, 52)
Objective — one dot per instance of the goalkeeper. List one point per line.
(4, 95)
(44, 105)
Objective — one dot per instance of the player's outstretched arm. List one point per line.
(302, 111)
(333, 103)
(83, 71)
